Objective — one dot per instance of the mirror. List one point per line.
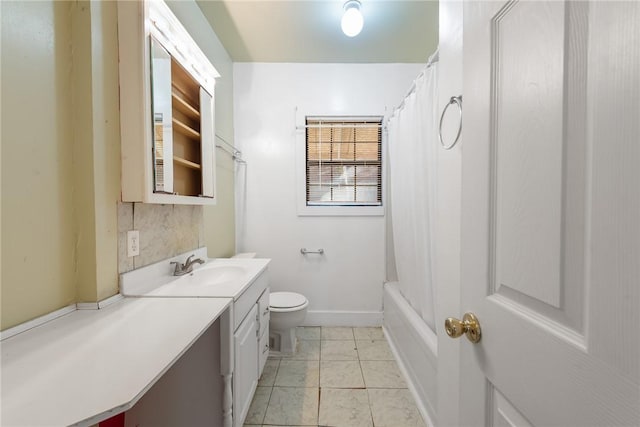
(161, 118)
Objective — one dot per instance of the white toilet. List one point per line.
(288, 310)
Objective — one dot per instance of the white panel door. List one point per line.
(550, 225)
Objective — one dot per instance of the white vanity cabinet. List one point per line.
(251, 344)
(244, 330)
(263, 334)
(245, 376)
(167, 109)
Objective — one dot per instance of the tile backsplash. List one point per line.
(165, 231)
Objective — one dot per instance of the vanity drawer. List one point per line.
(248, 299)
(263, 312)
(263, 351)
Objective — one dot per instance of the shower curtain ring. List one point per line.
(458, 101)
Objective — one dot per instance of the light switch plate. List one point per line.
(133, 243)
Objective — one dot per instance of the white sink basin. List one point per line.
(211, 274)
(221, 277)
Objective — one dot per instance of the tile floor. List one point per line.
(339, 377)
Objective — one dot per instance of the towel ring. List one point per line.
(458, 101)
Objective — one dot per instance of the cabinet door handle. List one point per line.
(266, 348)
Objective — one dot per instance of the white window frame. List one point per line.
(301, 171)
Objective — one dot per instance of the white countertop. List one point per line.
(89, 365)
(191, 286)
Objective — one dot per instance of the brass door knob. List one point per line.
(469, 326)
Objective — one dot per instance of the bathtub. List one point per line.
(415, 347)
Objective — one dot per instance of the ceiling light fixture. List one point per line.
(352, 20)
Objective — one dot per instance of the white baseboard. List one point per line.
(343, 318)
(100, 304)
(22, 327)
(8, 333)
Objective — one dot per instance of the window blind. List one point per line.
(344, 162)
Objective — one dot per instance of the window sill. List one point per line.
(341, 210)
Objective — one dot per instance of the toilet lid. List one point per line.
(286, 299)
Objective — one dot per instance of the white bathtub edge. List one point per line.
(416, 353)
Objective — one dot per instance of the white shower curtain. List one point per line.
(412, 144)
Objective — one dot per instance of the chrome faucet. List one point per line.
(187, 267)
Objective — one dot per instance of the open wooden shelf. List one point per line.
(184, 85)
(184, 107)
(184, 129)
(186, 163)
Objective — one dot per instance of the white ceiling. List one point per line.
(309, 30)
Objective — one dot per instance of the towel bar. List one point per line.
(305, 251)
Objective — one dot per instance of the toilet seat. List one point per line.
(287, 301)
(288, 311)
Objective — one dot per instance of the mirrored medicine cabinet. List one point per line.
(167, 109)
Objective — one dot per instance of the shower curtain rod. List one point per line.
(229, 148)
(432, 60)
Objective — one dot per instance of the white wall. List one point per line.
(344, 286)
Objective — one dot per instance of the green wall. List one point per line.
(60, 161)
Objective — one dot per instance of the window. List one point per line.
(343, 161)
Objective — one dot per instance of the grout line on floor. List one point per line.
(264, 416)
(370, 408)
(319, 394)
(362, 372)
(271, 392)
